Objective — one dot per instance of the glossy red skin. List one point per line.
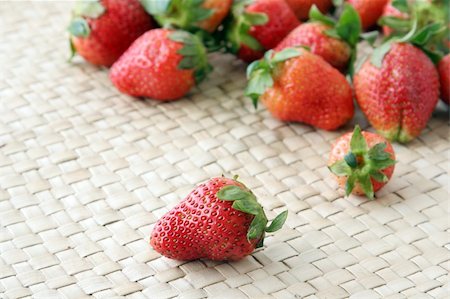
(220, 10)
(202, 226)
(335, 51)
(281, 21)
(398, 99)
(149, 68)
(369, 11)
(391, 11)
(301, 7)
(113, 32)
(307, 89)
(444, 76)
(341, 147)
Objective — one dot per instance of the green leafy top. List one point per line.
(425, 26)
(78, 26)
(245, 201)
(194, 54)
(259, 73)
(238, 24)
(180, 14)
(346, 28)
(361, 164)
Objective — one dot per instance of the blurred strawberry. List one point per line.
(189, 14)
(444, 76)
(369, 11)
(100, 31)
(301, 7)
(257, 26)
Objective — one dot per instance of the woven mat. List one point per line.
(85, 172)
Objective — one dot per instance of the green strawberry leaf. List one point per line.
(358, 143)
(257, 226)
(261, 242)
(348, 26)
(73, 50)
(370, 37)
(278, 222)
(377, 152)
(340, 168)
(351, 63)
(401, 5)
(350, 184)
(251, 42)
(423, 35)
(366, 185)
(350, 159)
(255, 18)
(396, 23)
(249, 206)
(153, 7)
(379, 176)
(338, 3)
(316, 15)
(379, 53)
(232, 193)
(79, 27)
(285, 54)
(259, 81)
(382, 164)
(88, 8)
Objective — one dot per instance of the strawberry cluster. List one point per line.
(301, 56)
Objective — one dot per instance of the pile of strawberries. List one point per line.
(302, 57)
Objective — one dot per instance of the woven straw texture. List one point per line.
(85, 172)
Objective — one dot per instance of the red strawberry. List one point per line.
(301, 7)
(258, 25)
(444, 75)
(362, 162)
(322, 37)
(219, 220)
(369, 11)
(296, 85)
(102, 30)
(162, 64)
(189, 15)
(397, 91)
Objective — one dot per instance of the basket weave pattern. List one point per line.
(85, 172)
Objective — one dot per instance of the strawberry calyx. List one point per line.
(346, 28)
(361, 164)
(78, 26)
(245, 201)
(238, 27)
(425, 29)
(194, 54)
(259, 73)
(182, 14)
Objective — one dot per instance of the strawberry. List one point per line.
(100, 31)
(333, 41)
(301, 7)
(369, 11)
(256, 26)
(219, 220)
(362, 162)
(189, 14)
(397, 89)
(392, 13)
(296, 85)
(444, 76)
(162, 64)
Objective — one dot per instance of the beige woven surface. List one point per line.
(85, 172)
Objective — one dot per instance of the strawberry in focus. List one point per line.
(296, 85)
(362, 162)
(162, 64)
(444, 76)
(333, 41)
(100, 31)
(257, 26)
(219, 220)
(301, 7)
(397, 89)
(189, 14)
